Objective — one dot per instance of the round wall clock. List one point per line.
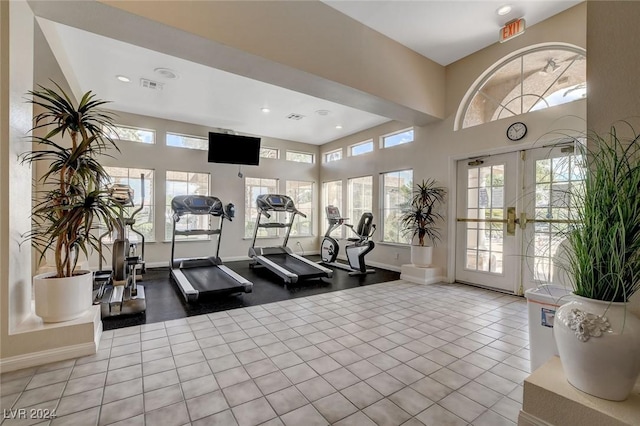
(516, 131)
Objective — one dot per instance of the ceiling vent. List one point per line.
(294, 116)
(150, 84)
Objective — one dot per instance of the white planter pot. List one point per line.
(62, 299)
(599, 346)
(421, 256)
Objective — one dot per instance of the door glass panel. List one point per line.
(485, 200)
(554, 178)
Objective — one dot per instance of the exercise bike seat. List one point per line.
(363, 231)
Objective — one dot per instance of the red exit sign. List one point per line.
(512, 29)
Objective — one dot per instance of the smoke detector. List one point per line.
(294, 116)
(166, 73)
(150, 84)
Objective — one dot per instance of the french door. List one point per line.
(512, 211)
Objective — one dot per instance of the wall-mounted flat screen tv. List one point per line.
(233, 149)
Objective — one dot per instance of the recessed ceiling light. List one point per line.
(166, 73)
(123, 78)
(339, 126)
(504, 10)
(265, 109)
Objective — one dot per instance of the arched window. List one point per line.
(528, 80)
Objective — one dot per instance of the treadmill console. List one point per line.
(275, 202)
(197, 204)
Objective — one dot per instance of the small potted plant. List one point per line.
(420, 220)
(69, 203)
(598, 338)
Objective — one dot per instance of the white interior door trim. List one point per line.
(453, 194)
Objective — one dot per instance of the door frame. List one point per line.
(453, 193)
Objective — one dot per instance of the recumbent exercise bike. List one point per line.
(360, 245)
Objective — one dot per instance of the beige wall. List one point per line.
(431, 155)
(224, 184)
(612, 69)
(16, 72)
(437, 146)
(304, 46)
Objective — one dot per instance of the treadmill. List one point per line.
(281, 260)
(207, 275)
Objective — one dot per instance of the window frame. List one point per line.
(251, 218)
(169, 212)
(205, 139)
(306, 210)
(383, 209)
(366, 142)
(326, 155)
(149, 203)
(277, 151)
(115, 135)
(479, 83)
(288, 151)
(325, 203)
(353, 219)
(383, 138)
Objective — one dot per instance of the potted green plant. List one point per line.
(421, 218)
(69, 202)
(598, 338)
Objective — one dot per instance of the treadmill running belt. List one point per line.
(211, 279)
(298, 267)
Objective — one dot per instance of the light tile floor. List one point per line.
(387, 354)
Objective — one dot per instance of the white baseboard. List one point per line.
(526, 419)
(33, 359)
(388, 267)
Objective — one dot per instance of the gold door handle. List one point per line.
(511, 221)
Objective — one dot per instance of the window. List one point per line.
(396, 197)
(185, 183)
(537, 78)
(333, 156)
(331, 196)
(299, 157)
(360, 197)
(398, 138)
(183, 141)
(252, 188)
(132, 134)
(361, 148)
(145, 218)
(270, 153)
(302, 195)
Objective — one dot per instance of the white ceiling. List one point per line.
(443, 31)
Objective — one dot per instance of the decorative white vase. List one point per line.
(599, 346)
(62, 299)
(421, 256)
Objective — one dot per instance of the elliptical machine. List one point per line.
(117, 291)
(361, 244)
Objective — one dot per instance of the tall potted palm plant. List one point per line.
(69, 203)
(421, 218)
(598, 338)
